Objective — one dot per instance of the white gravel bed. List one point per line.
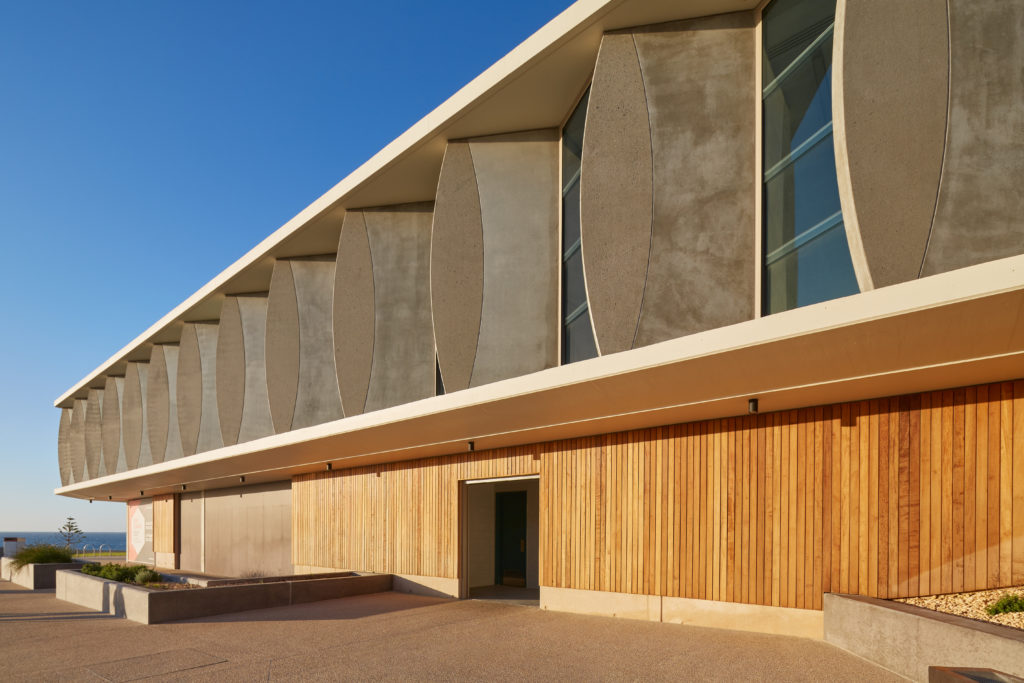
(971, 605)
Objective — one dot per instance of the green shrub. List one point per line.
(41, 554)
(1008, 603)
(119, 572)
(147, 576)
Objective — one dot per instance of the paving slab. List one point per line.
(395, 636)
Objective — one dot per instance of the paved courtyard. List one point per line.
(394, 636)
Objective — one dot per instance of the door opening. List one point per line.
(510, 539)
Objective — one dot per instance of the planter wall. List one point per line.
(33, 576)
(148, 606)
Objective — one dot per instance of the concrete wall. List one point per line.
(190, 531)
(247, 529)
(667, 181)
(242, 400)
(198, 418)
(94, 433)
(134, 422)
(162, 404)
(76, 448)
(301, 377)
(494, 263)
(64, 446)
(929, 100)
(481, 530)
(383, 336)
(113, 444)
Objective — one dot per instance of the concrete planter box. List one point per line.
(907, 640)
(148, 606)
(33, 576)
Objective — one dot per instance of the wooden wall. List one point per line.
(163, 523)
(891, 497)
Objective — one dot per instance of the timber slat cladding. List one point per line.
(891, 497)
(163, 523)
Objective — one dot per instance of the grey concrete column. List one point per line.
(980, 203)
(113, 444)
(242, 401)
(494, 258)
(301, 377)
(889, 97)
(94, 433)
(162, 404)
(77, 446)
(384, 267)
(198, 419)
(667, 218)
(64, 446)
(134, 422)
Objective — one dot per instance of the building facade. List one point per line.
(678, 302)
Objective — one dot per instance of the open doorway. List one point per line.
(500, 534)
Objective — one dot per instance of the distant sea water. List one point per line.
(112, 540)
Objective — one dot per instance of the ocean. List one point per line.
(111, 540)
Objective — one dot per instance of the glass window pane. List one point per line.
(788, 27)
(572, 140)
(799, 107)
(571, 217)
(818, 271)
(574, 292)
(578, 340)
(802, 196)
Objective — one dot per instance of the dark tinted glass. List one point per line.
(819, 271)
(788, 27)
(438, 382)
(578, 341)
(799, 107)
(574, 292)
(571, 217)
(801, 196)
(572, 140)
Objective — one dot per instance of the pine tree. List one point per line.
(70, 532)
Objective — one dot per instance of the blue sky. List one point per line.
(144, 146)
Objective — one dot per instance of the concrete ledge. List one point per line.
(148, 606)
(434, 586)
(907, 640)
(33, 576)
(787, 621)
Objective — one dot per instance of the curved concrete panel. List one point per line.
(517, 176)
(64, 446)
(891, 76)
(242, 402)
(403, 341)
(980, 204)
(134, 425)
(113, 446)
(76, 450)
(94, 433)
(282, 346)
(616, 186)
(699, 82)
(457, 267)
(300, 346)
(198, 418)
(353, 314)
(162, 404)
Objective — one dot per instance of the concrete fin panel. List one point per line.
(134, 425)
(282, 346)
(242, 400)
(198, 417)
(317, 399)
(162, 404)
(353, 313)
(616, 187)
(64, 446)
(94, 433)
(517, 176)
(698, 78)
(980, 203)
(113, 445)
(457, 267)
(77, 446)
(891, 77)
(403, 367)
